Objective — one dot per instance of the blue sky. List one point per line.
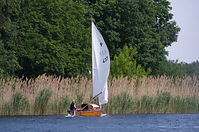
(186, 14)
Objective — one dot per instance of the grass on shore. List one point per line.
(52, 95)
(163, 103)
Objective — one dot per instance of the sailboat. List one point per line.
(100, 73)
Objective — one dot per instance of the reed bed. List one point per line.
(52, 95)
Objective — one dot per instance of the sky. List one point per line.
(186, 15)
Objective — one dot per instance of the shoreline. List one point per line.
(15, 116)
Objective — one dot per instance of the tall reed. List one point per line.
(52, 95)
(41, 101)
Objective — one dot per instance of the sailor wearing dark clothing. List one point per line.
(72, 108)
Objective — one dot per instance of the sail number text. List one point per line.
(105, 59)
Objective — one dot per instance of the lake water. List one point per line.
(109, 123)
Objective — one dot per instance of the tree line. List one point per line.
(54, 36)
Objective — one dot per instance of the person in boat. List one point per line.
(84, 107)
(72, 108)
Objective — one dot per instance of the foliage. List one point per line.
(49, 37)
(80, 98)
(145, 104)
(8, 62)
(41, 101)
(53, 36)
(122, 103)
(19, 103)
(59, 106)
(125, 65)
(162, 102)
(6, 109)
(171, 68)
(142, 24)
(192, 69)
(136, 95)
(178, 104)
(176, 69)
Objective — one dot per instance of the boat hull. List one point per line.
(89, 113)
(87, 109)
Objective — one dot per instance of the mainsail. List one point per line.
(100, 66)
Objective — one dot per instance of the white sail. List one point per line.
(100, 66)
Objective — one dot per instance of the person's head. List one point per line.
(73, 101)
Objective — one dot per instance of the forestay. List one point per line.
(100, 66)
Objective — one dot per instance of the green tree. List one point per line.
(8, 62)
(124, 65)
(142, 24)
(192, 69)
(171, 68)
(8, 59)
(53, 36)
(50, 37)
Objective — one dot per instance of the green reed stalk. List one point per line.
(41, 101)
